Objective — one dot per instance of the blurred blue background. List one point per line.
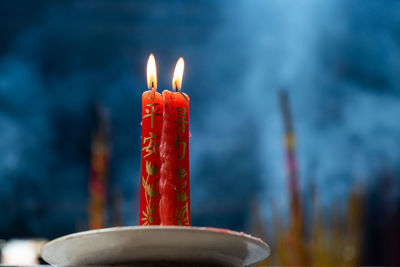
(338, 61)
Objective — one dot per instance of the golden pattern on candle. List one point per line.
(180, 144)
(151, 146)
(181, 122)
(152, 111)
(182, 215)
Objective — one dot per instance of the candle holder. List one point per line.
(156, 246)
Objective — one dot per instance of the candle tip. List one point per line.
(151, 73)
(178, 75)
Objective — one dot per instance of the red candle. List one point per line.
(168, 162)
(174, 154)
(152, 109)
(182, 148)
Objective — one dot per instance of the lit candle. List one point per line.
(152, 110)
(174, 154)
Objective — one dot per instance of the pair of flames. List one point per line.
(152, 74)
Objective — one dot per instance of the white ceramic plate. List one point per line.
(143, 246)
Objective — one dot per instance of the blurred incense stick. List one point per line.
(295, 236)
(99, 170)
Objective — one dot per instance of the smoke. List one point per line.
(337, 62)
(50, 80)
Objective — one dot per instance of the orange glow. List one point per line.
(178, 74)
(151, 73)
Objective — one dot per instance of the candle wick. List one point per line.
(176, 86)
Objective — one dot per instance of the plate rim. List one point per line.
(219, 231)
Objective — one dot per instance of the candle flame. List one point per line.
(178, 74)
(151, 73)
